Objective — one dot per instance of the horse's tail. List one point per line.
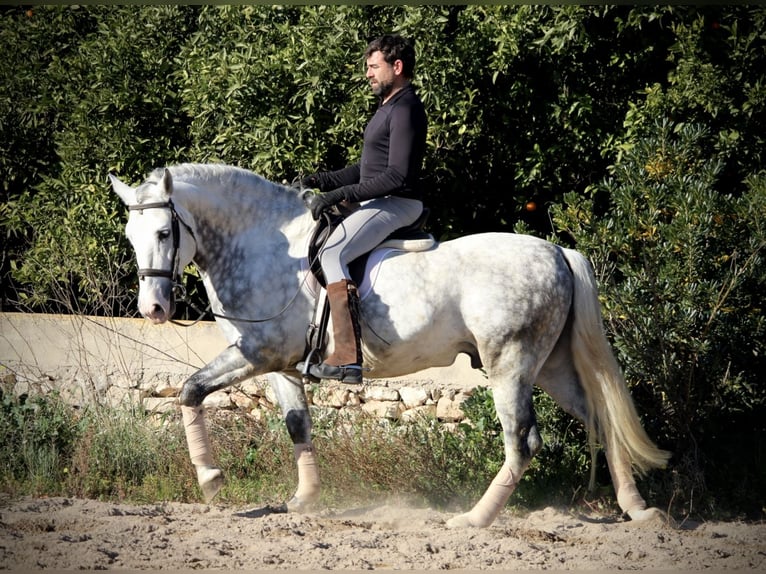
(611, 412)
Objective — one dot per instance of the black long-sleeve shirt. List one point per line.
(392, 153)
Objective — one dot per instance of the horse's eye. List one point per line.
(163, 234)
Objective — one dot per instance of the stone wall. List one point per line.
(121, 362)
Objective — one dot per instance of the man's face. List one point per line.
(381, 74)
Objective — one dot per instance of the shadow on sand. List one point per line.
(263, 511)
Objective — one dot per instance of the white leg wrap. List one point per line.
(630, 500)
(196, 436)
(209, 478)
(490, 505)
(308, 477)
(628, 496)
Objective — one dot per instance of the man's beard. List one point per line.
(383, 89)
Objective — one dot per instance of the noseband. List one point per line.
(174, 273)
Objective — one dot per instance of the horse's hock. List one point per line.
(122, 362)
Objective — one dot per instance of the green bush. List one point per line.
(102, 101)
(681, 274)
(261, 96)
(520, 101)
(37, 440)
(676, 236)
(124, 453)
(51, 448)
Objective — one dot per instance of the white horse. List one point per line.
(524, 309)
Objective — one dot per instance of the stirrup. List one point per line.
(351, 374)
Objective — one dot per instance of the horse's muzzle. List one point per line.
(156, 300)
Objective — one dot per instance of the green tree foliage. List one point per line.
(676, 235)
(276, 88)
(521, 100)
(101, 101)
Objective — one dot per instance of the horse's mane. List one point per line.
(212, 172)
(232, 190)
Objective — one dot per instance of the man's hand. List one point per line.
(323, 201)
(308, 182)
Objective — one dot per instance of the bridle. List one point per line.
(173, 274)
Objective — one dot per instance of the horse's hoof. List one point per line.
(462, 521)
(210, 479)
(651, 516)
(298, 505)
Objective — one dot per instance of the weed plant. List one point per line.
(37, 441)
(52, 448)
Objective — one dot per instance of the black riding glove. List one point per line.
(325, 201)
(310, 182)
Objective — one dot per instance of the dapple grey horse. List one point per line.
(523, 308)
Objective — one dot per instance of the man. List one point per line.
(381, 192)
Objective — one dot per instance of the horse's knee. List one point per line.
(192, 394)
(298, 424)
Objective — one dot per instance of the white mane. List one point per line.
(225, 194)
(213, 175)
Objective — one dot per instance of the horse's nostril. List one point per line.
(157, 310)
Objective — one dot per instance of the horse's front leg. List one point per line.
(292, 400)
(228, 368)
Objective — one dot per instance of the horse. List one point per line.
(524, 309)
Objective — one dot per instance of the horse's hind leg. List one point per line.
(292, 400)
(228, 368)
(513, 402)
(559, 379)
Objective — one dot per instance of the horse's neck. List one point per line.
(237, 217)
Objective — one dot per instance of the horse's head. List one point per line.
(164, 243)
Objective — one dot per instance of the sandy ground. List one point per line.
(65, 533)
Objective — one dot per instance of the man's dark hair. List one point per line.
(394, 47)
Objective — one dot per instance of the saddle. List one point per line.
(412, 237)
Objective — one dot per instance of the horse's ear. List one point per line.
(127, 194)
(167, 183)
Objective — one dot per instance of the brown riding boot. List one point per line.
(345, 362)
